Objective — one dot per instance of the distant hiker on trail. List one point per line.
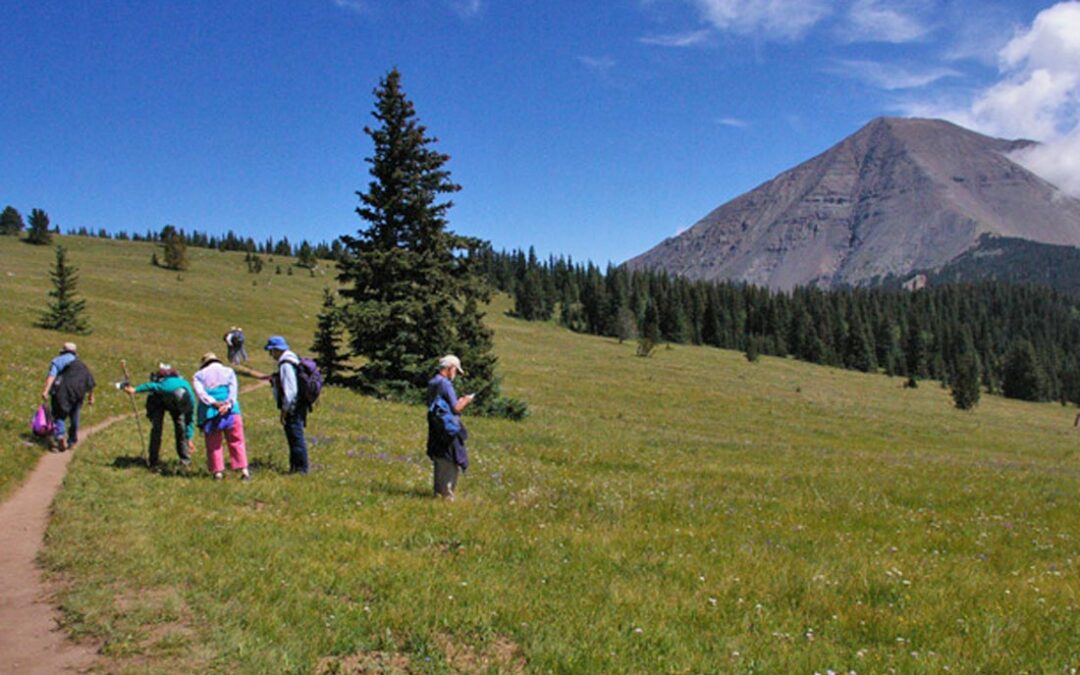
(218, 414)
(69, 381)
(169, 392)
(288, 388)
(446, 433)
(234, 343)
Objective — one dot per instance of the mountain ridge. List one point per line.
(900, 194)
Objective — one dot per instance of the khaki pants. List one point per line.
(446, 477)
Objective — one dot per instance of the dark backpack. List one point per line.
(238, 339)
(309, 382)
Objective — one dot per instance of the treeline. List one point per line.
(1023, 341)
(230, 241)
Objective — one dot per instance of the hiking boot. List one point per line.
(61, 444)
(245, 476)
(219, 476)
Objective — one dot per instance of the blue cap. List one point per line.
(276, 342)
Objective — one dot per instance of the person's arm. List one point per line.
(288, 388)
(200, 390)
(234, 391)
(48, 386)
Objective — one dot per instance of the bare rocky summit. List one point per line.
(898, 195)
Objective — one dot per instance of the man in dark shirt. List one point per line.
(69, 381)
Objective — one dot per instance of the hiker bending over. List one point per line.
(218, 414)
(446, 433)
(169, 392)
(69, 381)
(293, 407)
(234, 344)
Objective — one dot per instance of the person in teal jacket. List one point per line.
(168, 392)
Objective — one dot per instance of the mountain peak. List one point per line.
(899, 194)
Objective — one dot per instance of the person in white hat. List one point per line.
(446, 433)
(218, 415)
(68, 383)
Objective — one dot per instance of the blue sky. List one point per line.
(594, 129)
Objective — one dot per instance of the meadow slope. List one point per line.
(691, 512)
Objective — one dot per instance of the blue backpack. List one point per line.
(443, 418)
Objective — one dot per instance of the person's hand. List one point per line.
(129, 389)
(223, 407)
(44, 396)
(90, 398)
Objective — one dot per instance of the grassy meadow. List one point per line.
(691, 512)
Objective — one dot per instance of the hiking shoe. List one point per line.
(62, 444)
(245, 476)
(219, 476)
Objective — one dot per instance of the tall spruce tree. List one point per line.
(411, 292)
(966, 383)
(40, 233)
(11, 222)
(174, 249)
(328, 336)
(1023, 376)
(65, 312)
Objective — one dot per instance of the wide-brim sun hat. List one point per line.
(276, 342)
(208, 358)
(68, 347)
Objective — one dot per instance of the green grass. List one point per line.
(691, 512)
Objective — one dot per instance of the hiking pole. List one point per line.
(135, 413)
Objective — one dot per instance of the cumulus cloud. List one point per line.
(876, 21)
(733, 122)
(769, 19)
(678, 39)
(1037, 97)
(891, 76)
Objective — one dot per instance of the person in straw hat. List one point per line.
(218, 415)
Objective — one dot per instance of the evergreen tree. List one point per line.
(965, 386)
(174, 249)
(305, 256)
(65, 312)
(40, 233)
(327, 339)
(11, 222)
(650, 331)
(1023, 375)
(625, 324)
(412, 295)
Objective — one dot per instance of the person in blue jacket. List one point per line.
(446, 433)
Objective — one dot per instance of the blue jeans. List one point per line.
(73, 431)
(294, 433)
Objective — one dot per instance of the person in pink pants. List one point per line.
(218, 415)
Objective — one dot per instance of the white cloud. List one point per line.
(352, 5)
(678, 39)
(878, 21)
(467, 8)
(601, 65)
(733, 122)
(767, 19)
(891, 76)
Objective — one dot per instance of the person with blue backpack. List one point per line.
(446, 433)
(296, 386)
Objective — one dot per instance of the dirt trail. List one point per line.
(31, 639)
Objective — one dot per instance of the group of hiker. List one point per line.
(211, 402)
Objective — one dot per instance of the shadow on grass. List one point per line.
(169, 468)
(398, 490)
(30, 439)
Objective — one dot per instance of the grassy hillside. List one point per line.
(138, 312)
(692, 512)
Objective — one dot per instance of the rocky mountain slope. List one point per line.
(898, 195)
